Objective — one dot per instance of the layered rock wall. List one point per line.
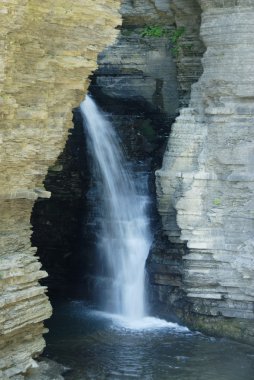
(47, 52)
(206, 184)
(188, 47)
(58, 221)
(136, 83)
(139, 67)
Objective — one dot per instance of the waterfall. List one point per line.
(124, 236)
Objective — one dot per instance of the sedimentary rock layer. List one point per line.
(206, 184)
(188, 48)
(48, 50)
(139, 67)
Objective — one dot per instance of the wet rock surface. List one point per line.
(58, 222)
(46, 369)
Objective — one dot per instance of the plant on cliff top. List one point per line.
(159, 31)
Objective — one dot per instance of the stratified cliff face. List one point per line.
(206, 184)
(139, 67)
(48, 49)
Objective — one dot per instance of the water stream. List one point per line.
(123, 235)
(122, 342)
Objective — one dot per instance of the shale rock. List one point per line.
(206, 184)
(48, 50)
(140, 67)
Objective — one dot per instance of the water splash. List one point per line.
(124, 239)
(142, 324)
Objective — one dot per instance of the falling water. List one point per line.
(124, 237)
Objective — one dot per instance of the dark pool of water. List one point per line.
(98, 347)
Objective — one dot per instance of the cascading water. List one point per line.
(124, 239)
(99, 345)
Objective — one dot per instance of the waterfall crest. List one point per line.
(124, 239)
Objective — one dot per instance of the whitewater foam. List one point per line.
(145, 323)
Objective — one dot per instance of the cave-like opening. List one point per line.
(64, 229)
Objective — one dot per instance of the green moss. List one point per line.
(175, 38)
(154, 31)
(158, 31)
(177, 34)
(217, 202)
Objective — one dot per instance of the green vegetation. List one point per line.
(217, 202)
(160, 31)
(154, 31)
(175, 38)
(177, 34)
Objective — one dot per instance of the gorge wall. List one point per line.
(48, 50)
(136, 84)
(201, 260)
(201, 264)
(205, 186)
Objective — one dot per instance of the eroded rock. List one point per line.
(205, 187)
(48, 50)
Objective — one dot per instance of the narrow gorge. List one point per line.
(174, 78)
